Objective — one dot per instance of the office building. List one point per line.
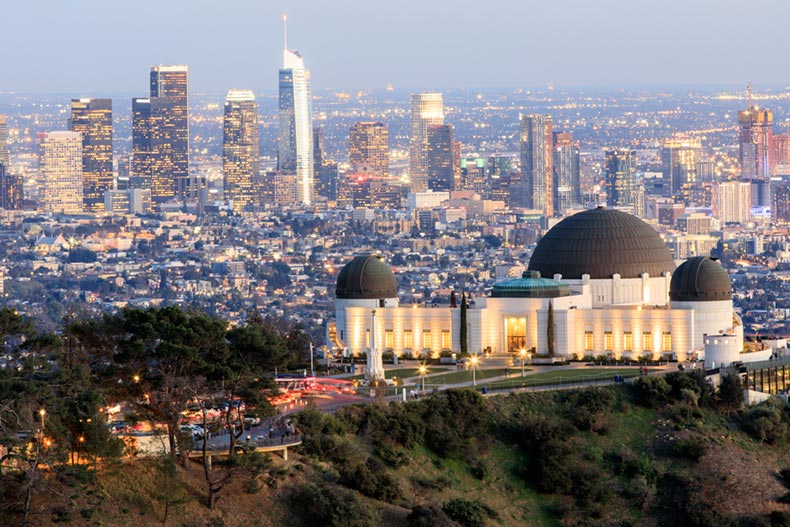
(5, 158)
(473, 175)
(60, 172)
(780, 201)
(679, 157)
(369, 150)
(622, 189)
(92, 118)
(152, 147)
(755, 135)
(567, 182)
(780, 155)
(441, 158)
(11, 191)
(295, 144)
(536, 163)
(172, 83)
(240, 150)
(130, 201)
(731, 201)
(427, 109)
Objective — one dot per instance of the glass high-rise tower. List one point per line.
(4, 157)
(241, 149)
(427, 109)
(295, 145)
(93, 119)
(536, 163)
(622, 189)
(160, 137)
(172, 82)
(441, 158)
(567, 182)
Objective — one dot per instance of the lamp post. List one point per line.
(423, 371)
(312, 369)
(474, 361)
(43, 414)
(523, 354)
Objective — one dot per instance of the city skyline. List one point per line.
(367, 49)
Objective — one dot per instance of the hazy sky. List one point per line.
(96, 46)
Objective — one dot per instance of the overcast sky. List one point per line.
(96, 46)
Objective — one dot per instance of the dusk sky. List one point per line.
(96, 46)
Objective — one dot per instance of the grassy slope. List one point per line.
(736, 473)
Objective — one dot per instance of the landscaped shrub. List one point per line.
(780, 519)
(469, 513)
(330, 506)
(590, 485)
(765, 423)
(651, 392)
(371, 479)
(430, 516)
(692, 448)
(694, 381)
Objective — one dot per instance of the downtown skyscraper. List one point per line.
(755, 140)
(10, 184)
(92, 118)
(622, 189)
(368, 148)
(443, 159)
(567, 181)
(5, 158)
(241, 150)
(295, 144)
(60, 171)
(172, 82)
(427, 109)
(536, 163)
(160, 137)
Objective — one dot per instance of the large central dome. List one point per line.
(601, 242)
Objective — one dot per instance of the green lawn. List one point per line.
(456, 377)
(389, 374)
(563, 376)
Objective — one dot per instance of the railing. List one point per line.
(272, 442)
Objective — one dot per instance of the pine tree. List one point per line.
(550, 329)
(464, 332)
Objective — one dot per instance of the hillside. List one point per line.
(659, 453)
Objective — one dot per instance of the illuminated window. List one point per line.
(408, 340)
(666, 341)
(588, 341)
(426, 339)
(628, 341)
(516, 333)
(647, 341)
(389, 339)
(446, 342)
(607, 341)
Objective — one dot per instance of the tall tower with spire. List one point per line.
(295, 145)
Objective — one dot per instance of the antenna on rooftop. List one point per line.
(285, 31)
(749, 94)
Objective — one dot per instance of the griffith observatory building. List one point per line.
(603, 279)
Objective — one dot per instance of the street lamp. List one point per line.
(474, 360)
(523, 354)
(423, 370)
(43, 414)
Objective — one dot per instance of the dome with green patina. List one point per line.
(530, 285)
